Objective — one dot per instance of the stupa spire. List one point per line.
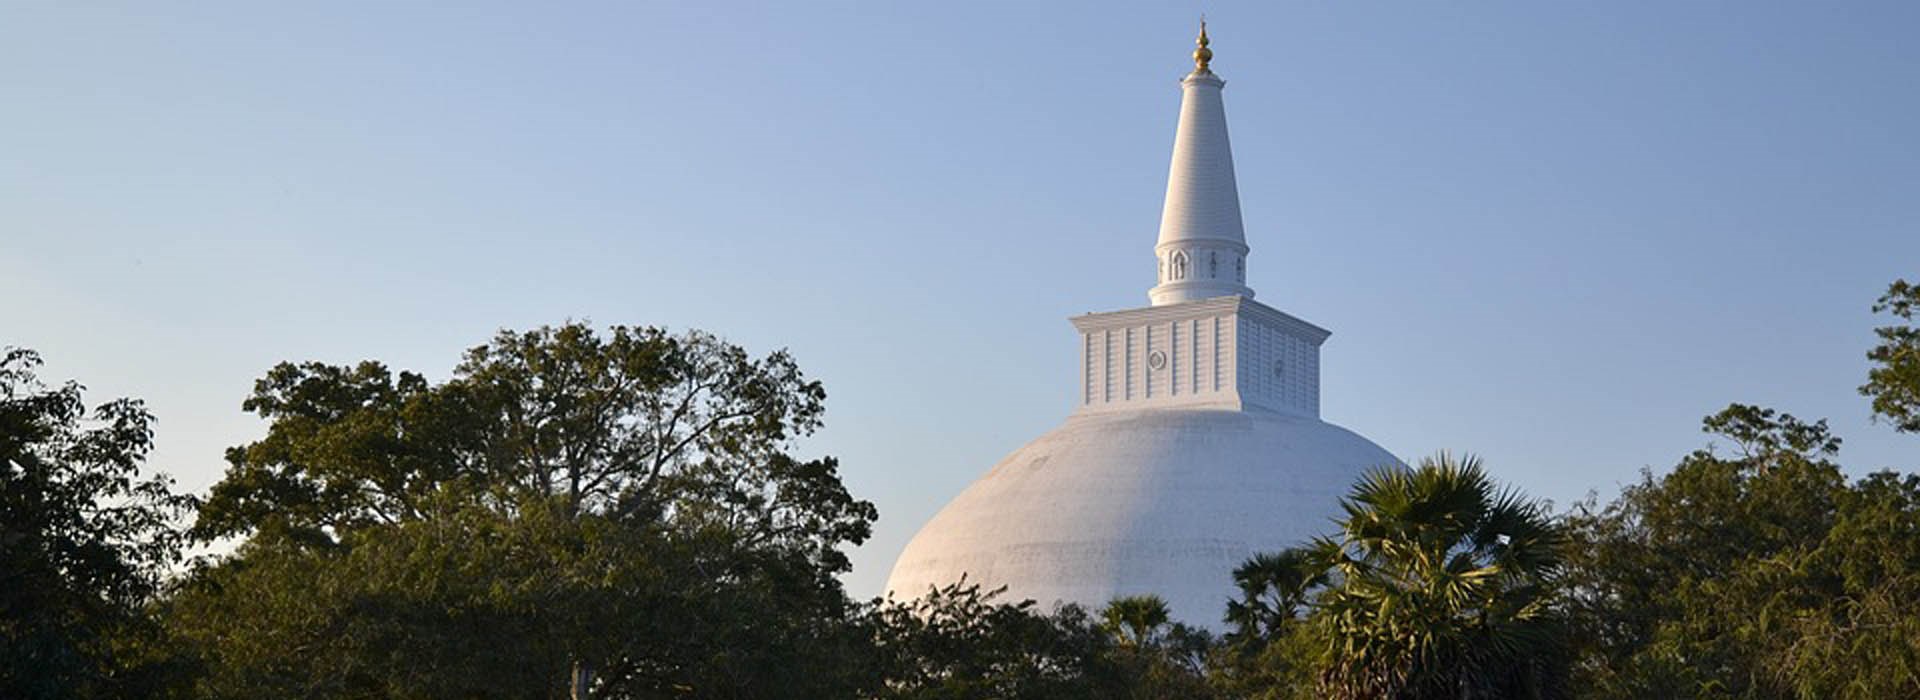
(1202, 247)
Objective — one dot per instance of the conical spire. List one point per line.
(1202, 247)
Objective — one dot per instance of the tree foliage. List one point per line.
(1438, 585)
(1761, 574)
(1154, 655)
(621, 514)
(957, 642)
(1894, 381)
(623, 507)
(85, 539)
(640, 424)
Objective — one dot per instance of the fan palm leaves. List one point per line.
(1438, 584)
(1274, 588)
(1134, 620)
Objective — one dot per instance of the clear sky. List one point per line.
(1553, 234)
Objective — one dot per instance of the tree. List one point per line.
(1894, 383)
(1274, 589)
(1270, 652)
(1761, 573)
(1135, 621)
(1153, 656)
(85, 540)
(1865, 641)
(619, 513)
(1658, 570)
(1438, 585)
(958, 642)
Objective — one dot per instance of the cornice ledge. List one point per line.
(1204, 308)
(1284, 320)
(1217, 306)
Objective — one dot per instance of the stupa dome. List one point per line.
(1163, 501)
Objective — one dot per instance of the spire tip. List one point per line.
(1202, 55)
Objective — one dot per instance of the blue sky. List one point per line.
(1552, 234)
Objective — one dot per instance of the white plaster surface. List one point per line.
(1162, 501)
(1202, 245)
(1224, 352)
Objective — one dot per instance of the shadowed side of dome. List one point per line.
(1165, 502)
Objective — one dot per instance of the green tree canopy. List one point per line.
(638, 424)
(1894, 381)
(958, 642)
(85, 539)
(1760, 573)
(617, 511)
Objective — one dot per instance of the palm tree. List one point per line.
(1274, 589)
(1134, 620)
(1438, 584)
(1153, 656)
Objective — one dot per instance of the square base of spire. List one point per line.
(1226, 352)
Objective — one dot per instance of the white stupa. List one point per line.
(1196, 442)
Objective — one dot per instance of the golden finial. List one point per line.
(1203, 54)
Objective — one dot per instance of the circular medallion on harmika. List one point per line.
(1157, 359)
